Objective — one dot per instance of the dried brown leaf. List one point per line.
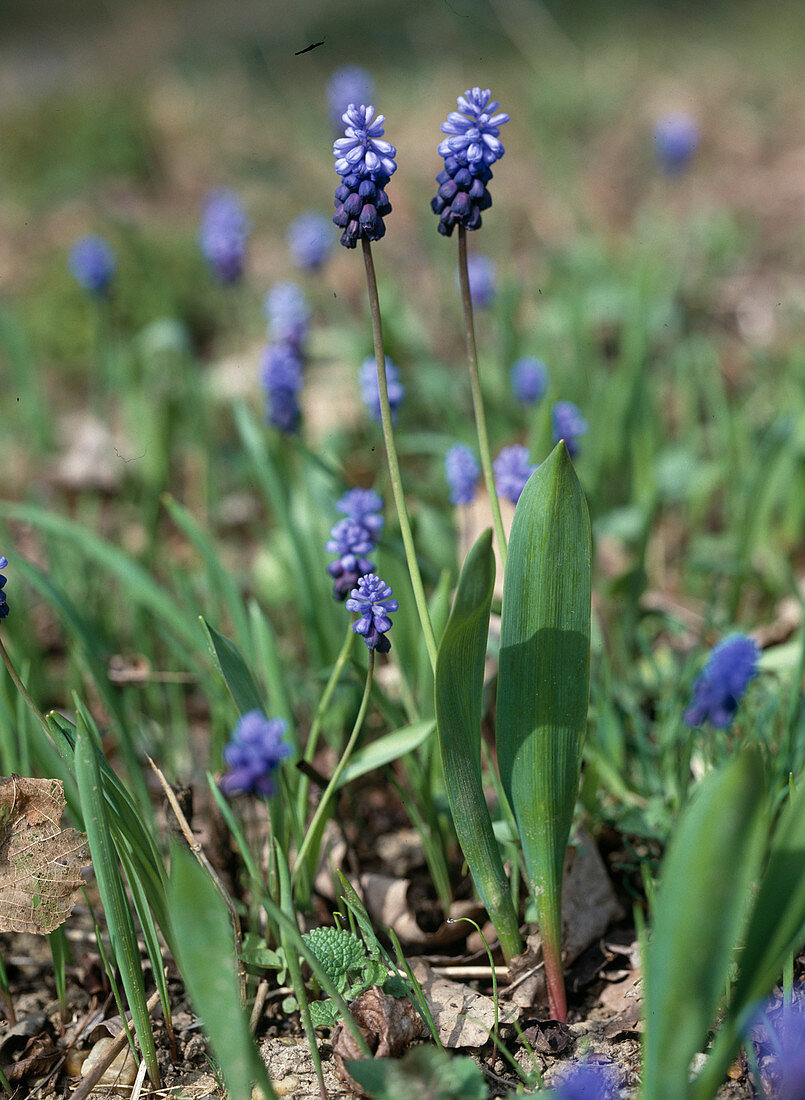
(40, 863)
(463, 1017)
(389, 1025)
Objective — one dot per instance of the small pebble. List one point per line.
(74, 1061)
(286, 1086)
(121, 1072)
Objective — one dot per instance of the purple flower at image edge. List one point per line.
(4, 608)
(462, 471)
(253, 754)
(568, 424)
(676, 139)
(310, 240)
(722, 683)
(349, 84)
(778, 1035)
(372, 601)
(370, 387)
(92, 263)
(223, 234)
(588, 1081)
(529, 380)
(512, 469)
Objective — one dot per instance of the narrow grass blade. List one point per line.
(110, 886)
(206, 959)
(459, 684)
(236, 673)
(386, 749)
(543, 685)
(699, 912)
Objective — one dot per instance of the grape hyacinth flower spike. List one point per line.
(365, 163)
(351, 541)
(223, 234)
(568, 424)
(529, 379)
(723, 681)
(372, 601)
(309, 240)
(287, 312)
(676, 138)
(4, 608)
(370, 388)
(364, 506)
(253, 754)
(462, 472)
(281, 378)
(512, 470)
(93, 263)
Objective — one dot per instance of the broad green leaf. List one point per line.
(697, 917)
(116, 909)
(543, 682)
(424, 1072)
(236, 673)
(386, 749)
(459, 685)
(203, 934)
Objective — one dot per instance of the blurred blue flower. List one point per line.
(568, 424)
(310, 240)
(350, 84)
(473, 130)
(676, 138)
(253, 754)
(288, 313)
(723, 681)
(780, 1030)
(4, 609)
(529, 379)
(370, 388)
(363, 151)
(483, 281)
(223, 235)
(589, 1081)
(281, 378)
(462, 472)
(364, 506)
(372, 601)
(351, 541)
(512, 469)
(92, 263)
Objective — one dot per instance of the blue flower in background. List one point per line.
(364, 506)
(676, 139)
(512, 469)
(568, 424)
(372, 601)
(723, 681)
(351, 541)
(4, 608)
(350, 84)
(281, 378)
(92, 263)
(529, 379)
(779, 1032)
(223, 235)
(473, 131)
(365, 163)
(462, 472)
(310, 240)
(483, 281)
(288, 313)
(370, 388)
(588, 1081)
(253, 754)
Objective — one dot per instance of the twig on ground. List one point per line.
(93, 1077)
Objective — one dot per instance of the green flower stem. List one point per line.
(391, 455)
(324, 802)
(477, 396)
(22, 689)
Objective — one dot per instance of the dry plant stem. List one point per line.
(260, 998)
(391, 455)
(89, 1082)
(200, 855)
(477, 396)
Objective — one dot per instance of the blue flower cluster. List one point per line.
(92, 263)
(470, 149)
(4, 609)
(723, 681)
(372, 601)
(778, 1034)
(512, 469)
(462, 472)
(676, 139)
(589, 1081)
(365, 163)
(529, 379)
(223, 235)
(370, 387)
(568, 424)
(309, 240)
(253, 754)
(281, 374)
(350, 84)
(353, 538)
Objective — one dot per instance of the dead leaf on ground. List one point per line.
(623, 1001)
(27, 1049)
(40, 863)
(389, 1025)
(463, 1017)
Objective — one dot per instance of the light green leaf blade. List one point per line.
(697, 918)
(543, 682)
(236, 673)
(386, 749)
(458, 693)
(203, 932)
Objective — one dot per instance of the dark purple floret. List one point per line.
(462, 472)
(462, 195)
(364, 506)
(4, 608)
(223, 235)
(372, 601)
(568, 424)
(352, 542)
(723, 681)
(254, 754)
(512, 469)
(361, 204)
(92, 263)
